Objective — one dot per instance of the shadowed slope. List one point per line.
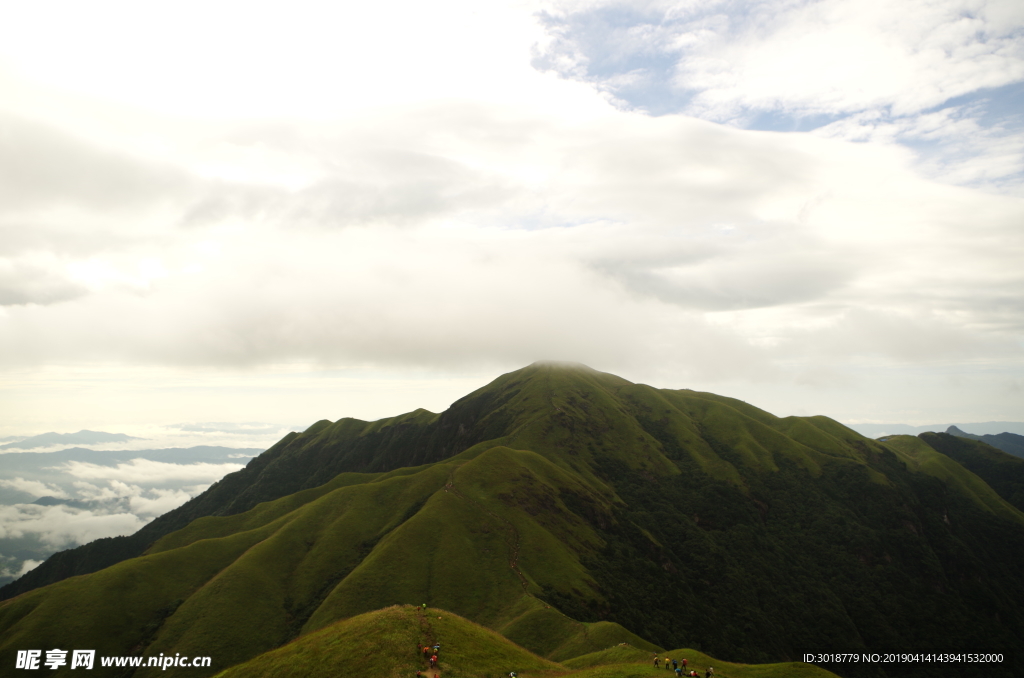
(1002, 471)
(921, 456)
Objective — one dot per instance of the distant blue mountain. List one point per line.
(1010, 443)
(81, 438)
(977, 428)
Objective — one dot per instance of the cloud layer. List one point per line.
(621, 237)
(943, 78)
(472, 189)
(78, 501)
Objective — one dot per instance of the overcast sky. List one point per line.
(282, 212)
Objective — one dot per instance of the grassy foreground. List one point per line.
(382, 644)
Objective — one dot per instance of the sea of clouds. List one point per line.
(55, 499)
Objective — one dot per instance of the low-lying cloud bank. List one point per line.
(56, 502)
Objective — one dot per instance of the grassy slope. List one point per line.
(115, 609)
(383, 644)
(346, 549)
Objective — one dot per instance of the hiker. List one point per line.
(433, 661)
(667, 667)
(684, 663)
(426, 651)
(679, 671)
(675, 664)
(655, 661)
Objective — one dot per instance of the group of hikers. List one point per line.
(429, 653)
(681, 667)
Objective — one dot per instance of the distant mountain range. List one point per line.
(81, 438)
(568, 511)
(1007, 442)
(976, 428)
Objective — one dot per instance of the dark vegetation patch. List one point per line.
(1003, 472)
(839, 562)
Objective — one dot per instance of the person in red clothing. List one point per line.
(433, 660)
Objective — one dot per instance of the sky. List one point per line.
(224, 217)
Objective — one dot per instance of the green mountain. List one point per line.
(568, 511)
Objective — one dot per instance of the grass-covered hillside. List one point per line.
(570, 511)
(385, 644)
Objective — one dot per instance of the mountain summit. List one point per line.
(568, 510)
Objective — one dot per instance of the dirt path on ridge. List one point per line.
(512, 534)
(428, 638)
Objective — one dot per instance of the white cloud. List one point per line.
(28, 566)
(809, 57)
(925, 74)
(304, 58)
(158, 502)
(839, 57)
(60, 526)
(659, 221)
(34, 487)
(145, 471)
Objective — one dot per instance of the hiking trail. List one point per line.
(512, 542)
(512, 538)
(427, 632)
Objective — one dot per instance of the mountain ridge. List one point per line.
(1011, 443)
(83, 437)
(676, 518)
